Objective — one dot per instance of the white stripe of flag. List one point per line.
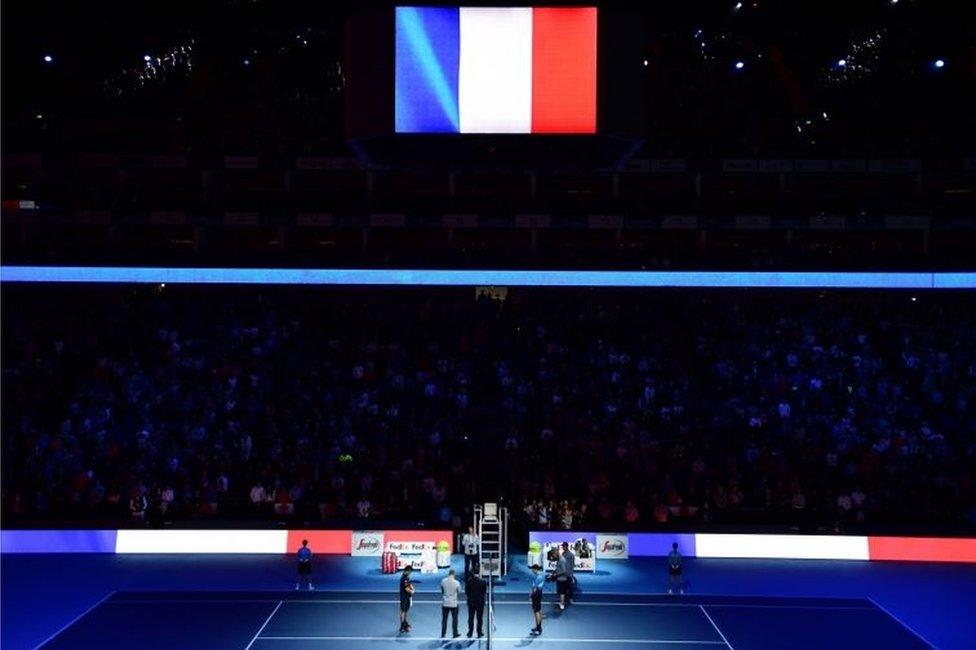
(495, 70)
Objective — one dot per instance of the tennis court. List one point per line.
(305, 620)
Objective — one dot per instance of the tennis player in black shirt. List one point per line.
(406, 597)
(475, 590)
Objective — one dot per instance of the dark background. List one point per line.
(271, 77)
(620, 95)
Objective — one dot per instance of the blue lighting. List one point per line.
(48, 58)
(739, 65)
(426, 79)
(841, 62)
(411, 277)
(939, 63)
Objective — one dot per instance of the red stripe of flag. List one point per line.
(564, 70)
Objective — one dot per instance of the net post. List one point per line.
(491, 609)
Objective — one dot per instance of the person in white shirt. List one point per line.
(450, 588)
(470, 543)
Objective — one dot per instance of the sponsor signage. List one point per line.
(583, 550)
(367, 543)
(738, 165)
(673, 165)
(409, 547)
(622, 545)
(612, 546)
(420, 555)
(583, 545)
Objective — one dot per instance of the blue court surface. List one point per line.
(301, 621)
(116, 602)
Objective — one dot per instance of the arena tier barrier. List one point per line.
(606, 546)
(406, 543)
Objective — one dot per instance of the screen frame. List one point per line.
(487, 137)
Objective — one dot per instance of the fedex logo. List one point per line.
(414, 547)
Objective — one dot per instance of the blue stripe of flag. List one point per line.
(427, 51)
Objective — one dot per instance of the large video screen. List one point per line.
(496, 70)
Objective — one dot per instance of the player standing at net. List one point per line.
(570, 569)
(475, 590)
(406, 597)
(450, 588)
(674, 570)
(535, 595)
(304, 556)
(561, 576)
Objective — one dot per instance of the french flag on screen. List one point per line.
(496, 70)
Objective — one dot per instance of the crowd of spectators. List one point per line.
(810, 410)
(617, 409)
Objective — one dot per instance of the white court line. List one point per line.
(700, 594)
(204, 600)
(902, 623)
(75, 620)
(512, 603)
(726, 641)
(817, 607)
(534, 639)
(336, 601)
(264, 625)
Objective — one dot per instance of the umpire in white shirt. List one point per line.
(471, 543)
(450, 588)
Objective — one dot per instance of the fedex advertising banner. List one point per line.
(419, 555)
(417, 547)
(367, 542)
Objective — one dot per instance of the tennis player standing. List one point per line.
(674, 570)
(304, 556)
